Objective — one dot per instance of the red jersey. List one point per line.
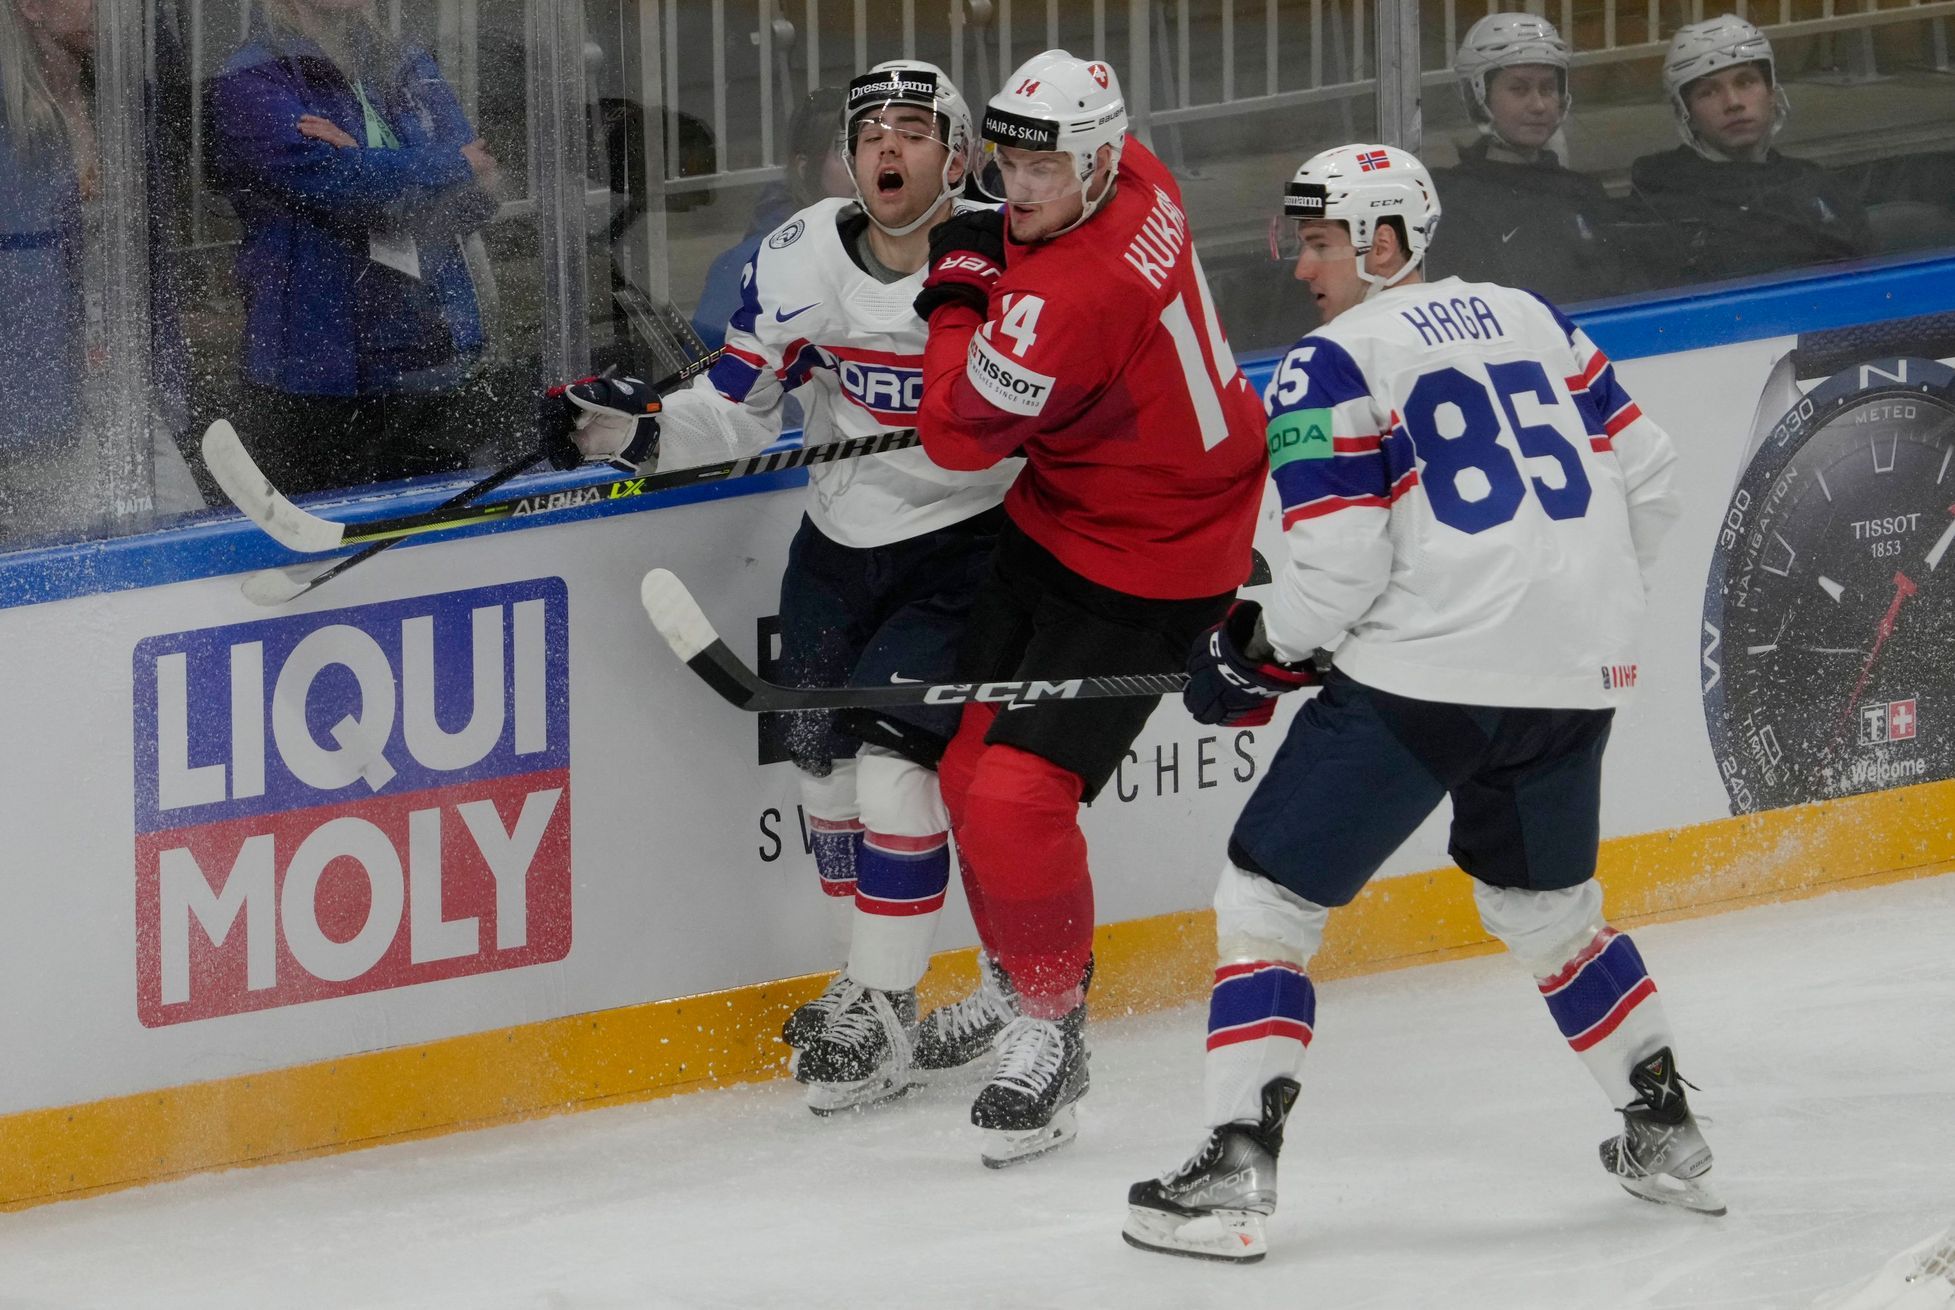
(1101, 359)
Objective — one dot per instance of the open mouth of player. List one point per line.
(889, 182)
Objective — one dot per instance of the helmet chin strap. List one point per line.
(944, 192)
(1088, 206)
(1373, 283)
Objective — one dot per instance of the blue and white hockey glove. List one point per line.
(967, 255)
(609, 420)
(1228, 686)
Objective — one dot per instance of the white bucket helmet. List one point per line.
(1360, 186)
(1506, 40)
(1700, 49)
(1056, 101)
(910, 82)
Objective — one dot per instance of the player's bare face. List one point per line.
(1526, 104)
(1042, 192)
(899, 163)
(1328, 265)
(1732, 108)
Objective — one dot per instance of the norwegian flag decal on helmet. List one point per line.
(1374, 159)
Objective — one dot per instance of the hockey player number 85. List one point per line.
(1455, 427)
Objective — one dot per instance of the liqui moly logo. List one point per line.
(350, 801)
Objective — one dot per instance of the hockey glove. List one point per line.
(967, 253)
(613, 420)
(1229, 686)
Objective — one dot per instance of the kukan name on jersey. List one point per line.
(1458, 319)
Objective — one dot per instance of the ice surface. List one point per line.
(1443, 1154)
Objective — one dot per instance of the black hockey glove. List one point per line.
(967, 253)
(613, 420)
(1226, 685)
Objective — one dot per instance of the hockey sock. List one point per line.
(1019, 832)
(1605, 1004)
(1261, 1016)
(1262, 1012)
(1591, 976)
(835, 832)
(902, 870)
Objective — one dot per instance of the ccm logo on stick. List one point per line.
(988, 692)
(344, 802)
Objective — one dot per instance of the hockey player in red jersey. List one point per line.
(1472, 505)
(1075, 329)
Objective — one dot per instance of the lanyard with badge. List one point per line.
(388, 246)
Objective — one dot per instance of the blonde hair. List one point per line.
(288, 18)
(26, 106)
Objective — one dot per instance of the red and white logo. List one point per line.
(1099, 74)
(1885, 721)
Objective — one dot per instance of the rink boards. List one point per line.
(455, 839)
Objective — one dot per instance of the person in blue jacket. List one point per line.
(47, 164)
(356, 179)
(815, 169)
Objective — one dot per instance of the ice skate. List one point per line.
(1213, 1207)
(956, 1034)
(810, 1018)
(1661, 1156)
(1028, 1107)
(863, 1054)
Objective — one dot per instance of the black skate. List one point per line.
(1213, 1207)
(808, 1020)
(1661, 1156)
(956, 1034)
(1028, 1107)
(863, 1055)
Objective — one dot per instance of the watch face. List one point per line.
(1828, 652)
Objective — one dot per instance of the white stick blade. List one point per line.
(259, 500)
(676, 614)
(277, 586)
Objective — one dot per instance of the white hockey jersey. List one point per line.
(1470, 496)
(851, 349)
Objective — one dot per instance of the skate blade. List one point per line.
(1231, 1236)
(1692, 1194)
(824, 1099)
(1004, 1147)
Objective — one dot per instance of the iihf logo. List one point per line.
(1618, 677)
(1885, 721)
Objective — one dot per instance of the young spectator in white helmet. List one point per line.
(1515, 213)
(1735, 204)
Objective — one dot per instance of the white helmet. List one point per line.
(1700, 49)
(910, 82)
(1503, 41)
(1360, 185)
(1058, 102)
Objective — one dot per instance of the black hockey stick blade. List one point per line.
(691, 636)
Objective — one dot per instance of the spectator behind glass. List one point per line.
(48, 177)
(355, 178)
(815, 170)
(1514, 214)
(1736, 205)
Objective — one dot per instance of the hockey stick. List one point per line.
(297, 529)
(688, 632)
(279, 585)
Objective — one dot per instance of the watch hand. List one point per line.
(1903, 588)
(1940, 547)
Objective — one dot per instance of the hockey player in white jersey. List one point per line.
(882, 572)
(1472, 505)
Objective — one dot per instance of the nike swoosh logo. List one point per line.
(782, 316)
(897, 677)
(1509, 237)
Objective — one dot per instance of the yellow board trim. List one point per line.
(665, 1047)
